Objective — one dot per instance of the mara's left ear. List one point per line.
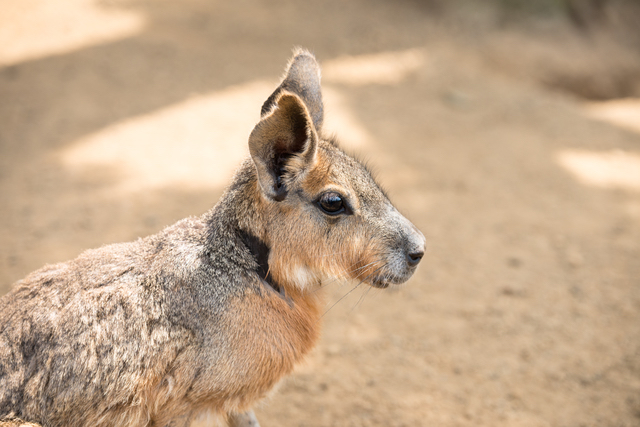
(283, 144)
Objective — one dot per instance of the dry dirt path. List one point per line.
(118, 118)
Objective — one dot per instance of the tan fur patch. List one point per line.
(283, 331)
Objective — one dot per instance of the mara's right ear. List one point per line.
(283, 145)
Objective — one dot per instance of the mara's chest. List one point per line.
(265, 335)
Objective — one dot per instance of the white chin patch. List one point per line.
(302, 277)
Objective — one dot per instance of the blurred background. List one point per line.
(508, 131)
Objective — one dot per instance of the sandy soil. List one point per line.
(118, 118)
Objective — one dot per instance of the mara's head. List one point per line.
(323, 214)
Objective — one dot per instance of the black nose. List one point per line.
(414, 258)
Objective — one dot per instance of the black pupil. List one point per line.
(331, 203)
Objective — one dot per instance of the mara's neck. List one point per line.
(242, 216)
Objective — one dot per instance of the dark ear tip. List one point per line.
(303, 66)
(301, 51)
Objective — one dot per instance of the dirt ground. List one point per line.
(499, 135)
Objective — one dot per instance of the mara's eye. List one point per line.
(331, 203)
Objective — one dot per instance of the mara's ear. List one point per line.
(302, 78)
(283, 144)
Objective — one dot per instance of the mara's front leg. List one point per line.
(244, 419)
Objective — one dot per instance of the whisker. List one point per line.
(341, 298)
(345, 276)
(362, 297)
(342, 279)
(372, 273)
(324, 285)
(364, 266)
(353, 289)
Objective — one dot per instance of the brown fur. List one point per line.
(210, 313)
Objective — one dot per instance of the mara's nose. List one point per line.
(413, 258)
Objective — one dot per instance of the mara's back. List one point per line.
(94, 334)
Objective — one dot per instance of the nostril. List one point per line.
(414, 258)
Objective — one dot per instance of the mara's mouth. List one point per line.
(380, 283)
(384, 275)
(383, 281)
